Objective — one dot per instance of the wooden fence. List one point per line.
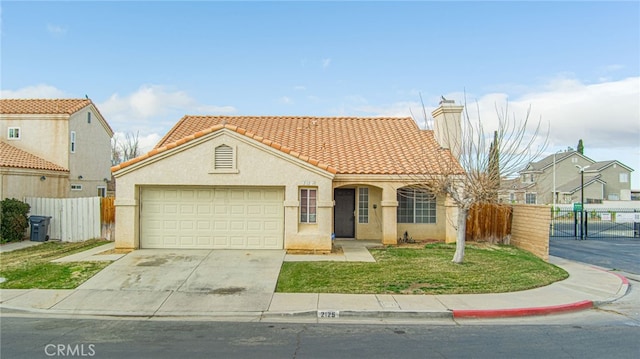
(489, 223)
(107, 217)
(76, 219)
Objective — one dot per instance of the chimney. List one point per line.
(446, 126)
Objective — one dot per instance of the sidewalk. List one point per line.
(585, 288)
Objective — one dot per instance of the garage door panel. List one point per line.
(212, 217)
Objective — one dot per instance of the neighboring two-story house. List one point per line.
(604, 180)
(53, 148)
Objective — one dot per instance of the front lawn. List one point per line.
(427, 270)
(32, 267)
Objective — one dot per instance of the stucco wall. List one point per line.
(92, 157)
(257, 165)
(20, 183)
(530, 229)
(45, 136)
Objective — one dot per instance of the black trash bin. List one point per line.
(39, 228)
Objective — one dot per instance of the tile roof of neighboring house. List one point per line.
(575, 184)
(548, 161)
(17, 158)
(42, 106)
(46, 107)
(346, 145)
(514, 184)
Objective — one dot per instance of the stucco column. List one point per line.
(451, 213)
(389, 206)
(291, 208)
(126, 232)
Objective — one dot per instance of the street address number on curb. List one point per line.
(328, 314)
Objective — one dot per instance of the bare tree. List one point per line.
(481, 160)
(125, 148)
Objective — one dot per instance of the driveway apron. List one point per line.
(182, 282)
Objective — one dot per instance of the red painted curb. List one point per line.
(521, 312)
(622, 278)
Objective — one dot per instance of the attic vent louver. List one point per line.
(223, 157)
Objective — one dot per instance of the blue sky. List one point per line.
(146, 64)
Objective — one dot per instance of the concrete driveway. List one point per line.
(181, 282)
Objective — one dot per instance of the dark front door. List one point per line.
(344, 212)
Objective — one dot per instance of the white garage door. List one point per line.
(202, 217)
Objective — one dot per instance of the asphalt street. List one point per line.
(621, 254)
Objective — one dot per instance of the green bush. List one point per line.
(13, 220)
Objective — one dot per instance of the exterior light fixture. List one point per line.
(42, 178)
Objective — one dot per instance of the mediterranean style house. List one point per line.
(54, 148)
(603, 180)
(290, 183)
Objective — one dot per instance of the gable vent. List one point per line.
(223, 157)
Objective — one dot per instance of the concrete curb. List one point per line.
(624, 289)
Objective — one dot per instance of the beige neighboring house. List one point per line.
(55, 148)
(286, 183)
(604, 180)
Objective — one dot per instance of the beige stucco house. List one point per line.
(286, 182)
(603, 180)
(54, 148)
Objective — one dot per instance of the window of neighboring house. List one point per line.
(73, 141)
(363, 205)
(530, 198)
(13, 133)
(76, 187)
(88, 117)
(574, 160)
(624, 177)
(102, 191)
(512, 197)
(531, 178)
(308, 199)
(613, 197)
(416, 206)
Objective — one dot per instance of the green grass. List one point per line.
(32, 267)
(427, 270)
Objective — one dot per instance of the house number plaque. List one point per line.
(328, 314)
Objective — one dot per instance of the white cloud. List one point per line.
(145, 142)
(154, 108)
(37, 91)
(286, 100)
(56, 30)
(326, 62)
(299, 88)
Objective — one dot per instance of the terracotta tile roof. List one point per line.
(42, 106)
(345, 145)
(17, 158)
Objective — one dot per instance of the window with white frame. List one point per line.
(102, 191)
(13, 133)
(624, 177)
(76, 187)
(416, 206)
(363, 205)
(88, 117)
(72, 140)
(530, 198)
(308, 202)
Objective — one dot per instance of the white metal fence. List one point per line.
(72, 219)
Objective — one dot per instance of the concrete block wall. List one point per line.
(530, 229)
